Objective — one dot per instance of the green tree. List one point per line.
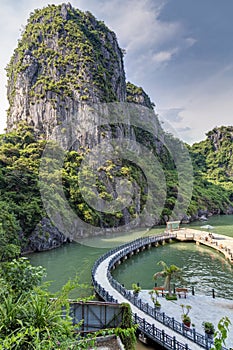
(9, 233)
(168, 273)
(30, 317)
(20, 276)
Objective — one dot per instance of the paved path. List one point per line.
(101, 278)
(204, 308)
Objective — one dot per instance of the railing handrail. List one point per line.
(123, 250)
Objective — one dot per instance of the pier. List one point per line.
(222, 244)
(159, 327)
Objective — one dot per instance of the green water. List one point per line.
(202, 266)
(67, 262)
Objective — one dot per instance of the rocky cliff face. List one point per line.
(219, 151)
(136, 94)
(65, 58)
(219, 137)
(65, 80)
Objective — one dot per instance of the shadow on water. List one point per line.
(141, 346)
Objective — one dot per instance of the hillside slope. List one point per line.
(213, 170)
(110, 166)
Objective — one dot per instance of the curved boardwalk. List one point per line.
(153, 324)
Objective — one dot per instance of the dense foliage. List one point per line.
(213, 170)
(136, 94)
(29, 318)
(21, 204)
(32, 318)
(20, 198)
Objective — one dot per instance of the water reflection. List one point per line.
(202, 267)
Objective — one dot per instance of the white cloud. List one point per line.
(190, 41)
(150, 42)
(138, 26)
(164, 56)
(205, 105)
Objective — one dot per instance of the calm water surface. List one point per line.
(202, 267)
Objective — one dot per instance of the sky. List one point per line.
(179, 51)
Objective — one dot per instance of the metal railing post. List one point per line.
(163, 336)
(174, 343)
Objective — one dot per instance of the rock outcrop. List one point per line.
(45, 237)
(65, 58)
(219, 137)
(66, 80)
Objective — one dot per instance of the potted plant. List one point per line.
(154, 297)
(208, 328)
(136, 289)
(185, 318)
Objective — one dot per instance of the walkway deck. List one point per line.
(158, 326)
(223, 244)
(101, 276)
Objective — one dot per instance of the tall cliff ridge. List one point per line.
(64, 58)
(65, 81)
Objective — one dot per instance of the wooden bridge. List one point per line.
(153, 324)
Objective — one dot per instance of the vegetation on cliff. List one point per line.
(213, 169)
(22, 208)
(136, 94)
(64, 56)
(67, 58)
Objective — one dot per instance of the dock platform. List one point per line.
(221, 243)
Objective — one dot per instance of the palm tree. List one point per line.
(168, 273)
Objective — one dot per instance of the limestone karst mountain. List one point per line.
(66, 81)
(65, 58)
